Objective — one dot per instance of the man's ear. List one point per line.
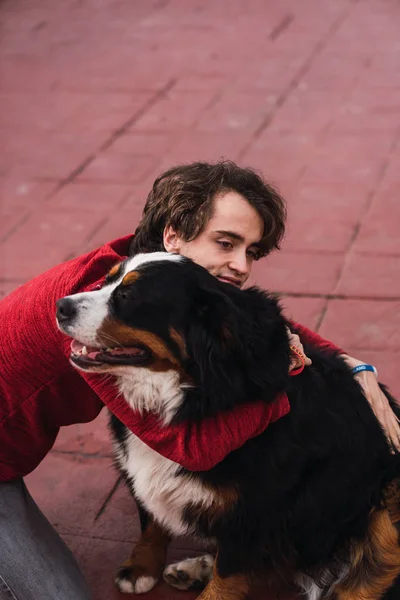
(171, 239)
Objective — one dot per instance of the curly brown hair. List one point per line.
(183, 197)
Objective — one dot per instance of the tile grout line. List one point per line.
(107, 499)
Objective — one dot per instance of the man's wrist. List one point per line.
(359, 366)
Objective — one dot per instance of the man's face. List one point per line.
(229, 243)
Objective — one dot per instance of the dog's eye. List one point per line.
(121, 293)
(120, 298)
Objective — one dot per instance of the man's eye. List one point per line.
(254, 254)
(225, 245)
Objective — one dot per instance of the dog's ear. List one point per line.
(238, 349)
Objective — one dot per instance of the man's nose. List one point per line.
(66, 309)
(239, 264)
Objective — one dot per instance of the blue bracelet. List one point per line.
(365, 368)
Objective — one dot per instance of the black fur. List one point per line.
(308, 483)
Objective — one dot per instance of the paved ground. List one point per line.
(97, 97)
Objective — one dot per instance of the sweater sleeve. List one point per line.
(310, 337)
(195, 446)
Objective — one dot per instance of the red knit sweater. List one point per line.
(40, 391)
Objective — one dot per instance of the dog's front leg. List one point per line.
(233, 586)
(144, 568)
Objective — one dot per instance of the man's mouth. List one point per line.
(231, 280)
(89, 356)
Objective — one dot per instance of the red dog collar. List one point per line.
(301, 356)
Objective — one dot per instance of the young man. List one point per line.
(222, 217)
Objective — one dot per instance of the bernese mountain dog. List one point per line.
(314, 499)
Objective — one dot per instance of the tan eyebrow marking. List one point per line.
(179, 341)
(114, 270)
(130, 278)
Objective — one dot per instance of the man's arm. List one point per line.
(195, 446)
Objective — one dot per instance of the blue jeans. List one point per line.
(34, 561)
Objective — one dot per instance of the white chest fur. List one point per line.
(163, 492)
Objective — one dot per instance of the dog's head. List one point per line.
(181, 343)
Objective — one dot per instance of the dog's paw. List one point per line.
(129, 581)
(190, 574)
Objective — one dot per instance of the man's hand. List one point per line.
(298, 357)
(378, 401)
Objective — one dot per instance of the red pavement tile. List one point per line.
(304, 273)
(370, 276)
(306, 311)
(201, 145)
(363, 324)
(271, 75)
(123, 77)
(6, 287)
(286, 141)
(242, 111)
(333, 71)
(370, 99)
(10, 218)
(44, 111)
(307, 111)
(120, 520)
(59, 156)
(90, 196)
(71, 490)
(392, 175)
(110, 167)
(145, 142)
(25, 74)
(192, 82)
(136, 199)
(328, 200)
(383, 114)
(99, 559)
(175, 111)
(46, 239)
(352, 146)
(106, 112)
(276, 166)
(349, 165)
(379, 232)
(24, 193)
(316, 233)
(387, 79)
(122, 222)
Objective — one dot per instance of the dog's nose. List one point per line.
(66, 309)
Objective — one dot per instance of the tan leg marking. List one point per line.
(375, 563)
(234, 587)
(144, 568)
